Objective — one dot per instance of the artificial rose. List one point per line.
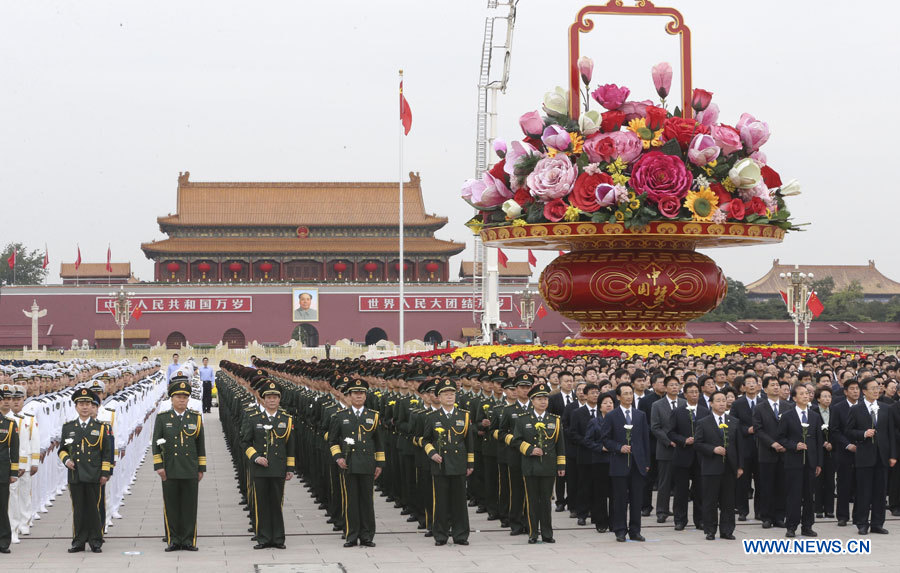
(628, 145)
(583, 193)
(669, 206)
(552, 178)
(734, 209)
(555, 210)
(760, 157)
(700, 99)
(703, 150)
(556, 102)
(723, 195)
(612, 121)
(662, 78)
(770, 177)
(589, 122)
(523, 196)
(511, 208)
(656, 117)
(556, 137)
(660, 175)
(756, 205)
(532, 123)
(608, 195)
(610, 96)
(745, 174)
(600, 148)
(586, 69)
(500, 148)
(682, 130)
(487, 193)
(709, 115)
(517, 150)
(754, 133)
(727, 138)
(498, 171)
(635, 109)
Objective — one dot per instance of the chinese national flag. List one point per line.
(405, 112)
(541, 311)
(11, 261)
(561, 253)
(78, 259)
(502, 258)
(46, 258)
(783, 296)
(532, 260)
(815, 305)
(137, 312)
(108, 259)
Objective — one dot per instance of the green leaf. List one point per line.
(582, 161)
(677, 112)
(535, 213)
(671, 147)
(600, 217)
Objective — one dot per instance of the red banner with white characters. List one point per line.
(181, 304)
(428, 303)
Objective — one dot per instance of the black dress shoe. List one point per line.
(679, 527)
(710, 536)
(661, 518)
(646, 511)
(440, 543)
(472, 503)
(420, 525)
(517, 532)
(863, 529)
(880, 530)
(262, 546)
(572, 514)
(620, 537)
(548, 540)
(767, 524)
(790, 533)
(429, 534)
(895, 512)
(4, 550)
(76, 549)
(808, 532)
(636, 537)
(322, 506)
(820, 516)
(504, 523)
(831, 515)
(532, 540)
(411, 518)
(729, 536)
(842, 523)
(464, 542)
(350, 544)
(190, 548)
(582, 521)
(165, 540)
(368, 543)
(742, 517)
(560, 508)
(404, 511)
(171, 548)
(778, 523)
(481, 510)
(279, 546)
(601, 529)
(493, 517)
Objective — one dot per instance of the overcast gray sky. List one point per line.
(104, 102)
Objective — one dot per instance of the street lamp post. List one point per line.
(527, 305)
(797, 297)
(122, 313)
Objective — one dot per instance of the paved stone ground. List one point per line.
(225, 546)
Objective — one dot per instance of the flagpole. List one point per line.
(402, 260)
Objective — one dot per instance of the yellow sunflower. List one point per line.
(702, 204)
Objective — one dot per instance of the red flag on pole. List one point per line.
(541, 311)
(78, 259)
(108, 259)
(46, 257)
(532, 260)
(815, 305)
(502, 258)
(405, 112)
(137, 312)
(561, 253)
(11, 261)
(783, 296)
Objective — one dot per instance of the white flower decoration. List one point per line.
(267, 427)
(69, 440)
(349, 441)
(804, 425)
(160, 441)
(824, 427)
(628, 426)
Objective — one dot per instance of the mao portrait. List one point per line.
(305, 304)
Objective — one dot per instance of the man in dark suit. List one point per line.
(845, 453)
(871, 428)
(644, 399)
(662, 420)
(557, 405)
(572, 452)
(579, 419)
(743, 409)
(800, 432)
(771, 475)
(626, 434)
(686, 465)
(718, 446)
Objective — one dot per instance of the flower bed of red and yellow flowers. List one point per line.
(604, 349)
(634, 163)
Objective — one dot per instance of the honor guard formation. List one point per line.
(606, 442)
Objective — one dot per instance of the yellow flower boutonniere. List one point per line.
(392, 402)
(413, 401)
(439, 430)
(540, 426)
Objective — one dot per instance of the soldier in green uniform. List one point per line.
(449, 441)
(87, 453)
(538, 438)
(357, 450)
(179, 457)
(269, 443)
(9, 465)
(511, 413)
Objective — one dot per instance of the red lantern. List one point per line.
(235, 268)
(370, 268)
(340, 267)
(204, 268)
(265, 268)
(173, 268)
(432, 268)
(397, 266)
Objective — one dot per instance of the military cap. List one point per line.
(85, 395)
(356, 385)
(269, 387)
(419, 374)
(507, 383)
(524, 379)
(98, 386)
(179, 387)
(179, 377)
(6, 391)
(499, 375)
(444, 385)
(539, 390)
(426, 387)
(18, 391)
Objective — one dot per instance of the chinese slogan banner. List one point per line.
(428, 303)
(172, 304)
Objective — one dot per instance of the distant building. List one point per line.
(876, 286)
(96, 274)
(512, 273)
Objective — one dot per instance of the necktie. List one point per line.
(673, 405)
(803, 417)
(720, 421)
(592, 413)
(874, 416)
(628, 417)
(567, 399)
(752, 404)
(775, 409)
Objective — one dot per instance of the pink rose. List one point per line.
(552, 178)
(669, 206)
(600, 147)
(660, 175)
(702, 150)
(611, 96)
(532, 123)
(635, 109)
(727, 138)
(709, 115)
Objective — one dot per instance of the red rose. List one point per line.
(683, 130)
(656, 117)
(611, 120)
(735, 209)
(522, 196)
(669, 206)
(757, 205)
(723, 195)
(555, 210)
(770, 177)
(584, 194)
(498, 173)
(535, 142)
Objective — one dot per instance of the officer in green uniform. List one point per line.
(87, 453)
(511, 413)
(179, 457)
(9, 466)
(269, 443)
(356, 448)
(538, 438)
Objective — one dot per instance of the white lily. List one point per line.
(628, 426)
(69, 440)
(267, 427)
(349, 441)
(160, 441)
